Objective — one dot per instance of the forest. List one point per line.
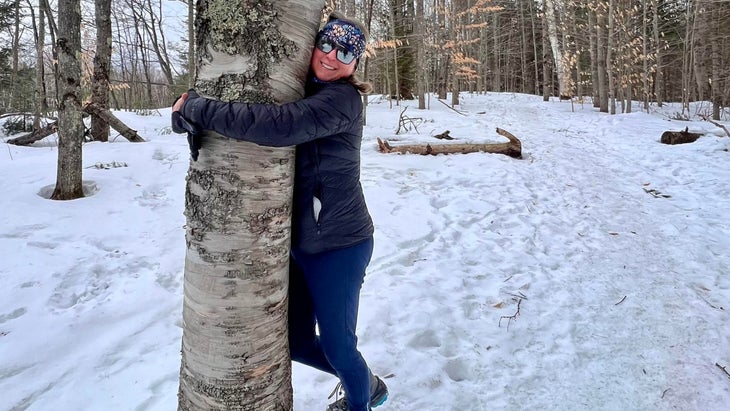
(136, 53)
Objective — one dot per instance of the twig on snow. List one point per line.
(665, 392)
(622, 300)
(450, 107)
(514, 316)
(722, 367)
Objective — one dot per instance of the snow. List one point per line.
(613, 249)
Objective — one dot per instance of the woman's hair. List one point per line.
(363, 86)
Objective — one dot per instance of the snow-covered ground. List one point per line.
(613, 249)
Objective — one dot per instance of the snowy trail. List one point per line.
(625, 296)
(588, 247)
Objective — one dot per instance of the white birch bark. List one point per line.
(235, 351)
(557, 49)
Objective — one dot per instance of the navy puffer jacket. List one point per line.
(326, 127)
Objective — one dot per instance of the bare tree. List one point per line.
(235, 353)
(102, 62)
(70, 122)
(557, 48)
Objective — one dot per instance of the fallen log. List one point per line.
(512, 149)
(679, 137)
(30, 138)
(716, 124)
(109, 118)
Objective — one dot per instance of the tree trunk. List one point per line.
(546, 68)
(536, 60)
(41, 104)
(645, 54)
(70, 121)
(191, 43)
(557, 49)
(419, 33)
(593, 51)
(700, 37)
(235, 352)
(601, 53)
(609, 57)
(366, 62)
(659, 75)
(15, 50)
(102, 60)
(716, 61)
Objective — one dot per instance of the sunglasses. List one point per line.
(343, 55)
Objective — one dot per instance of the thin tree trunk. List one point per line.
(366, 62)
(523, 49)
(602, 66)
(535, 58)
(700, 37)
(609, 57)
(496, 75)
(15, 50)
(593, 50)
(419, 32)
(687, 61)
(41, 104)
(396, 76)
(191, 43)
(659, 74)
(557, 49)
(645, 54)
(546, 69)
(235, 352)
(70, 122)
(102, 62)
(716, 61)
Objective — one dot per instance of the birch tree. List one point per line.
(557, 49)
(235, 353)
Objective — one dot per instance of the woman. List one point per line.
(332, 232)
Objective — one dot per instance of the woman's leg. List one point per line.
(334, 279)
(303, 341)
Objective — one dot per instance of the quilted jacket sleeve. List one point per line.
(330, 111)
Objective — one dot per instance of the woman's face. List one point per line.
(326, 67)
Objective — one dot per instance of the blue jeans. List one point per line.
(324, 289)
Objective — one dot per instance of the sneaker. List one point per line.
(378, 395)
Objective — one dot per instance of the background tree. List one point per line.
(70, 121)
(102, 62)
(235, 353)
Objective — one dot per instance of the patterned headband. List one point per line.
(346, 35)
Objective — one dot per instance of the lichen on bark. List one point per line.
(244, 28)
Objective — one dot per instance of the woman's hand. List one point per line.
(179, 102)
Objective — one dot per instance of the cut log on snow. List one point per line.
(679, 137)
(109, 118)
(512, 149)
(30, 138)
